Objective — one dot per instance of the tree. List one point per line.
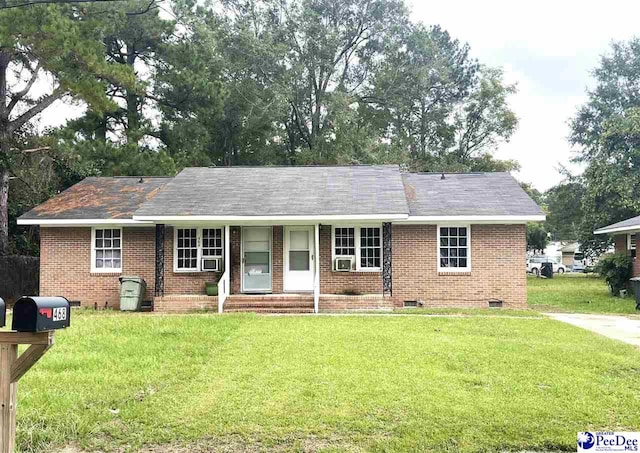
(537, 237)
(431, 98)
(607, 132)
(564, 203)
(65, 44)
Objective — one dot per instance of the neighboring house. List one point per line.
(569, 251)
(290, 239)
(624, 234)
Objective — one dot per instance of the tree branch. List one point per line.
(22, 93)
(42, 104)
(32, 150)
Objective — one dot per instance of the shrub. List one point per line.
(616, 270)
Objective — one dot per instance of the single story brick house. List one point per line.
(301, 239)
(624, 235)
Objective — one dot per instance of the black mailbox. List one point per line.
(3, 313)
(37, 314)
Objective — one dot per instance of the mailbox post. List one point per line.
(34, 319)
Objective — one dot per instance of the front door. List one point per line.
(256, 259)
(298, 258)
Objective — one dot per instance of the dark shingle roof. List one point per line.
(99, 198)
(630, 224)
(260, 191)
(461, 194)
(290, 191)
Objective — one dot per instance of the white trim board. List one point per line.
(477, 219)
(626, 229)
(302, 219)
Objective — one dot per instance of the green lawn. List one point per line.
(580, 293)
(355, 383)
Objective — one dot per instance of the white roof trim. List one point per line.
(396, 218)
(257, 218)
(475, 219)
(81, 222)
(624, 229)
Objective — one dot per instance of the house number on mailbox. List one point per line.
(60, 314)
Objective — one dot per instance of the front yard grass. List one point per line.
(577, 293)
(355, 383)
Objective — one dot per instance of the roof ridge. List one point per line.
(294, 166)
(124, 177)
(456, 173)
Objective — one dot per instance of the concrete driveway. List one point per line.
(616, 327)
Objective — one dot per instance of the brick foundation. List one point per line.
(340, 302)
(184, 304)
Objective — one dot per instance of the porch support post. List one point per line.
(226, 275)
(316, 273)
(387, 269)
(159, 286)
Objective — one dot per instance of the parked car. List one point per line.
(535, 263)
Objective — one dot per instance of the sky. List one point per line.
(548, 48)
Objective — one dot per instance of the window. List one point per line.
(453, 248)
(345, 242)
(363, 243)
(631, 244)
(187, 248)
(370, 247)
(212, 242)
(106, 250)
(193, 244)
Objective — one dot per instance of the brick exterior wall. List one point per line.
(182, 282)
(338, 282)
(498, 268)
(620, 242)
(184, 304)
(497, 261)
(65, 265)
(338, 302)
(277, 260)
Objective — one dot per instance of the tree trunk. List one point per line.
(4, 156)
(133, 102)
(4, 211)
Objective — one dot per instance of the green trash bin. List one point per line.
(132, 290)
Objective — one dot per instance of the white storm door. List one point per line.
(256, 259)
(299, 258)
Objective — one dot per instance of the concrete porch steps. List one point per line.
(269, 303)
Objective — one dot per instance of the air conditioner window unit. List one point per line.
(211, 264)
(344, 264)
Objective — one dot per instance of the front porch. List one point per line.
(270, 268)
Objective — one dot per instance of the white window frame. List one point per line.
(630, 244)
(199, 243)
(454, 269)
(106, 270)
(201, 232)
(356, 229)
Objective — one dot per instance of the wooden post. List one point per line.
(12, 368)
(8, 393)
